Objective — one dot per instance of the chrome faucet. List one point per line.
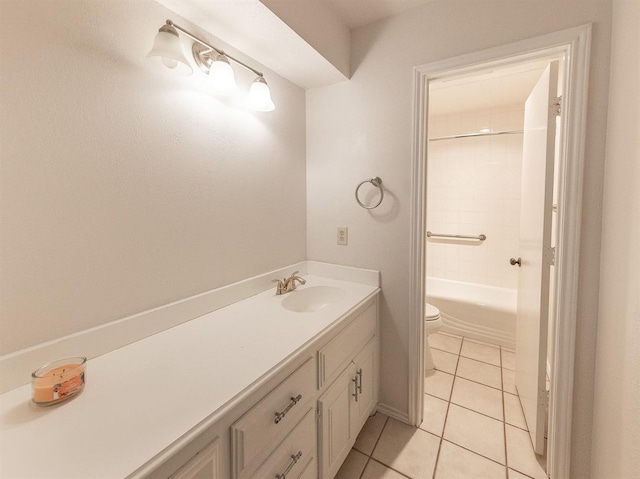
(288, 284)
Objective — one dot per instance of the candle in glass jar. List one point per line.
(58, 381)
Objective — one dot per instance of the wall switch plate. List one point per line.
(343, 235)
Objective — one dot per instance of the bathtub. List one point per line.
(486, 313)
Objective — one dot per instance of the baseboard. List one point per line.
(393, 412)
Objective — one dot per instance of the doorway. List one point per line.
(490, 164)
(572, 46)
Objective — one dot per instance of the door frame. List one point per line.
(574, 44)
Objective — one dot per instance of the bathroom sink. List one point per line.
(312, 299)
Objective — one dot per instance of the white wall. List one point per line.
(363, 128)
(473, 187)
(124, 188)
(616, 432)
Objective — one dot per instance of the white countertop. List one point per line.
(141, 398)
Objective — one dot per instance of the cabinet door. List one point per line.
(336, 429)
(367, 377)
(205, 465)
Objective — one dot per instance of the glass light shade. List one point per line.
(222, 77)
(260, 95)
(168, 49)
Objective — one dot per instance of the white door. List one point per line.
(535, 252)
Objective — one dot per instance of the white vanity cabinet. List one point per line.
(231, 384)
(344, 408)
(305, 427)
(275, 419)
(348, 400)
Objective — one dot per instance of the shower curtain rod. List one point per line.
(471, 135)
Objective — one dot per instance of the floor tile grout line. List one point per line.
(365, 467)
(431, 395)
(377, 439)
(468, 357)
(478, 412)
(441, 438)
(481, 361)
(389, 467)
(520, 472)
(474, 452)
(455, 375)
(504, 416)
(478, 382)
(370, 456)
(446, 415)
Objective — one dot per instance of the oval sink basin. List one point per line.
(313, 298)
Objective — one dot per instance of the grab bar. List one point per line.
(479, 237)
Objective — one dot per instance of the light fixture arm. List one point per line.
(212, 48)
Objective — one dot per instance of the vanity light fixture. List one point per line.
(212, 61)
(260, 95)
(167, 48)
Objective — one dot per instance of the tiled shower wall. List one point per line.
(473, 188)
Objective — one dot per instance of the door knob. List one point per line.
(514, 261)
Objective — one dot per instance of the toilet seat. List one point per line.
(431, 313)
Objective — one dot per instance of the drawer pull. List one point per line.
(281, 415)
(294, 459)
(358, 383)
(355, 382)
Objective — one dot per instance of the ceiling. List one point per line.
(283, 36)
(505, 86)
(356, 13)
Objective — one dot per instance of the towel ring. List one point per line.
(377, 182)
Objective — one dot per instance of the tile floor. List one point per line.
(473, 424)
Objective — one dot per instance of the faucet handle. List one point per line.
(280, 288)
(290, 283)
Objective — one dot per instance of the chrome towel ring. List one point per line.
(377, 182)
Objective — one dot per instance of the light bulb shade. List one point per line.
(167, 49)
(260, 95)
(222, 76)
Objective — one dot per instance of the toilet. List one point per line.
(432, 324)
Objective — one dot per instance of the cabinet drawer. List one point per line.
(255, 434)
(299, 444)
(342, 348)
(310, 471)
